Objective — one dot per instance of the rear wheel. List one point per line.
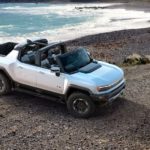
(80, 105)
(5, 86)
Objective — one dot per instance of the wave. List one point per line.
(6, 26)
(98, 21)
(37, 9)
(68, 33)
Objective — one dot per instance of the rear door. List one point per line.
(25, 73)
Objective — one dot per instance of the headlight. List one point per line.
(103, 88)
(107, 87)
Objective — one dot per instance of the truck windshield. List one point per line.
(72, 61)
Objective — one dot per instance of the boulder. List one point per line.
(136, 59)
(133, 59)
(147, 57)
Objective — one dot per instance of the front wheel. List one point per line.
(80, 105)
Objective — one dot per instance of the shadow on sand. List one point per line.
(123, 116)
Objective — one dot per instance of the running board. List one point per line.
(40, 94)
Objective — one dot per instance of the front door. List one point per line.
(47, 80)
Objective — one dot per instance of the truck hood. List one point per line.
(105, 75)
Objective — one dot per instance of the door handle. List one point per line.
(41, 72)
(20, 67)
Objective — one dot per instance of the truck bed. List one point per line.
(6, 48)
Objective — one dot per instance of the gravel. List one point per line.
(115, 46)
(28, 122)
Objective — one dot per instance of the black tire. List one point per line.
(78, 101)
(5, 86)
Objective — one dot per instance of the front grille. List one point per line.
(107, 87)
(117, 90)
(116, 83)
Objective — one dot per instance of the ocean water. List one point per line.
(63, 21)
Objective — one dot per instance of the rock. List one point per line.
(133, 59)
(94, 7)
(2, 116)
(147, 57)
(136, 59)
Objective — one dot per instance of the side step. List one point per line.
(40, 94)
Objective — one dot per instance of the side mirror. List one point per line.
(56, 70)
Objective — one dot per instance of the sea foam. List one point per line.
(90, 21)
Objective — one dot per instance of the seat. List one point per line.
(29, 58)
(45, 63)
(25, 59)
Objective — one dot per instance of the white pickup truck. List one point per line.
(72, 77)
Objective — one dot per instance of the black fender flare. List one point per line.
(74, 88)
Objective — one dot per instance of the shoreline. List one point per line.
(96, 27)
